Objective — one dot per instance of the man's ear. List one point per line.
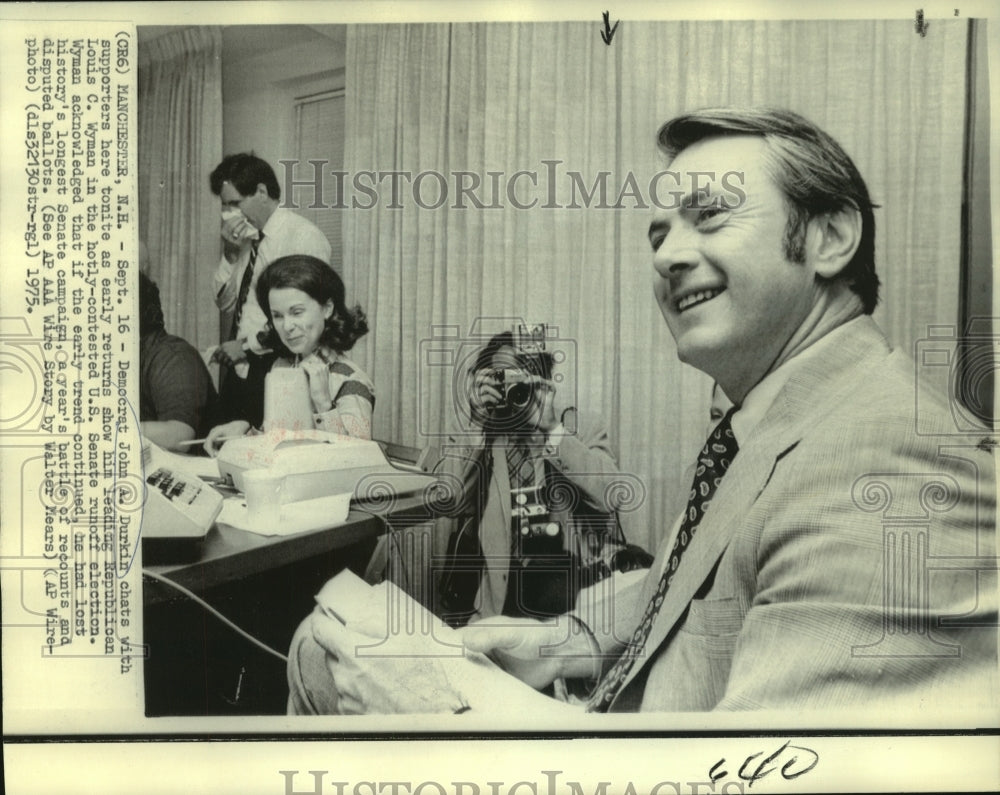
(833, 239)
(262, 190)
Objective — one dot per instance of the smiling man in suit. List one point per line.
(837, 549)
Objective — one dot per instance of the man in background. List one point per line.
(255, 232)
(177, 399)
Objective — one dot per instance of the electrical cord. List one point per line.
(239, 630)
(199, 601)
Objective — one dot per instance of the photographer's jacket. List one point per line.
(579, 474)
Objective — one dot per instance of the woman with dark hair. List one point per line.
(311, 327)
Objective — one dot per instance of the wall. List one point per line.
(260, 82)
(264, 70)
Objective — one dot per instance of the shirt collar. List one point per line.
(761, 397)
(274, 223)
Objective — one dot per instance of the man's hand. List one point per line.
(220, 433)
(236, 234)
(168, 434)
(543, 410)
(373, 680)
(236, 230)
(536, 652)
(230, 353)
(485, 396)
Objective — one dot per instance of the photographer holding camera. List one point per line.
(534, 521)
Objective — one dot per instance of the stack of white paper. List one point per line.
(398, 626)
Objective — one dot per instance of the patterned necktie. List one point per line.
(520, 465)
(241, 298)
(713, 461)
(521, 471)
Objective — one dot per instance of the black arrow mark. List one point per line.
(609, 32)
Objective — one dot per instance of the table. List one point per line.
(228, 554)
(196, 665)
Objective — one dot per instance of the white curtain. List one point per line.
(507, 97)
(893, 99)
(180, 142)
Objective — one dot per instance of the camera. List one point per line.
(538, 532)
(451, 361)
(517, 385)
(516, 391)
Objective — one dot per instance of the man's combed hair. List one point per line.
(320, 282)
(245, 172)
(811, 169)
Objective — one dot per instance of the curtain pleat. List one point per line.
(180, 131)
(509, 97)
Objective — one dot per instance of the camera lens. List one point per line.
(519, 395)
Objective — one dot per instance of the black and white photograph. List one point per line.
(462, 400)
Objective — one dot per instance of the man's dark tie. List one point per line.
(713, 461)
(241, 298)
(520, 465)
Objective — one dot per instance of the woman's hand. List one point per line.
(220, 433)
(318, 376)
